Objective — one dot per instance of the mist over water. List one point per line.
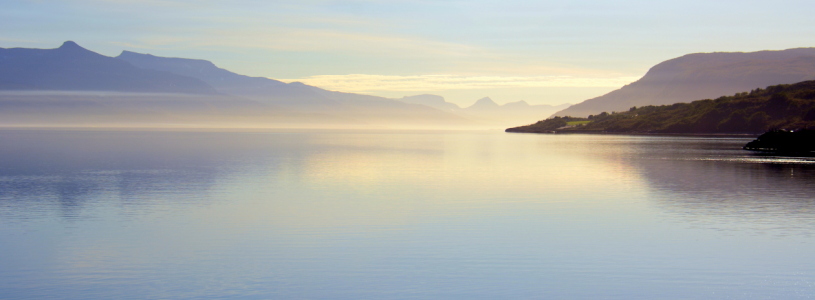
(400, 215)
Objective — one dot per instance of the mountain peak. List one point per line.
(485, 102)
(73, 68)
(70, 45)
(72, 48)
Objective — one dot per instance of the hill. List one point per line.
(756, 111)
(703, 75)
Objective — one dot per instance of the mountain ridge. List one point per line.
(703, 75)
(74, 68)
(786, 106)
(147, 88)
(290, 95)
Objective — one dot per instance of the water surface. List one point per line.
(400, 215)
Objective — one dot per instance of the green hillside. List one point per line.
(756, 111)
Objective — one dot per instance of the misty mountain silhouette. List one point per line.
(517, 105)
(704, 75)
(293, 95)
(258, 88)
(300, 96)
(485, 110)
(72, 85)
(73, 68)
(297, 96)
(483, 104)
(434, 101)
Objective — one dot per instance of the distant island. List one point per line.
(751, 112)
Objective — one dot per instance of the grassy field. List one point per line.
(576, 123)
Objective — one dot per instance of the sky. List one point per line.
(542, 52)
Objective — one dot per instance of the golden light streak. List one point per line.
(367, 82)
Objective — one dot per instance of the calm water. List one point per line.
(400, 215)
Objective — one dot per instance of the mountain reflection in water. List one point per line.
(699, 177)
(400, 214)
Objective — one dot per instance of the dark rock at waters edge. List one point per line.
(796, 142)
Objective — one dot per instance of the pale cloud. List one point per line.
(277, 39)
(359, 83)
(397, 49)
(325, 40)
(146, 3)
(152, 42)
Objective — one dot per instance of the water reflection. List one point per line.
(358, 215)
(71, 168)
(391, 174)
(714, 178)
(297, 177)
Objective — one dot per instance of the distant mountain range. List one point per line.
(299, 96)
(73, 86)
(487, 111)
(703, 76)
(304, 99)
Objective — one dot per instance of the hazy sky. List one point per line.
(544, 52)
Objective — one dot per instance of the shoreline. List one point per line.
(745, 135)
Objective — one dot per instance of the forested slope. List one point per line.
(756, 111)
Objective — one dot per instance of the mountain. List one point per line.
(258, 88)
(223, 80)
(483, 104)
(486, 110)
(756, 111)
(701, 76)
(72, 86)
(73, 68)
(433, 101)
(300, 97)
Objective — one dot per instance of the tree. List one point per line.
(758, 122)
